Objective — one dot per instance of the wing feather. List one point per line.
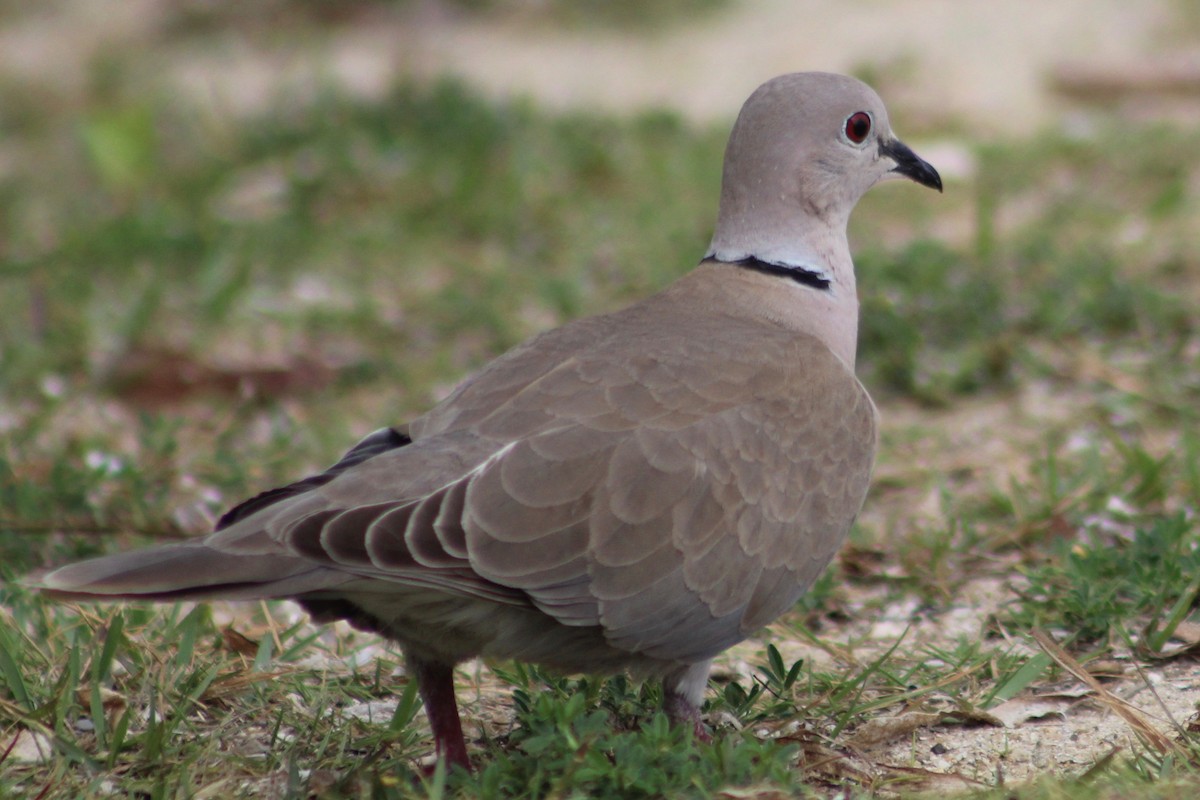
(675, 488)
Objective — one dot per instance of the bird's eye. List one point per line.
(858, 127)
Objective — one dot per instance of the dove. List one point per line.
(632, 492)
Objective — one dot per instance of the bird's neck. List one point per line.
(805, 274)
(812, 241)
(806, 279)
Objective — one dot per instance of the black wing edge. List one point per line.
(373, 444)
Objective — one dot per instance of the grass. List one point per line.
(322, 268)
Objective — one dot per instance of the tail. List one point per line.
(247, 565)
(191, 571)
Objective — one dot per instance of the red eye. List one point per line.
(858, 125)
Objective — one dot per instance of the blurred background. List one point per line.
(257, 149)
(235, 237)
(1007, 66)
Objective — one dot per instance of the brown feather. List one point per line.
(635, 490)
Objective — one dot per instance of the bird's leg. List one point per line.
(435, 681)
(681, 712)
(682, 692)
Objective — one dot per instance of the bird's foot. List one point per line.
(682, 712)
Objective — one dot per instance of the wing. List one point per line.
(372, 445)
(677, 507)
(683, 509)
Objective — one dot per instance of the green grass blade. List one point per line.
(10, 671)
(1029, 672)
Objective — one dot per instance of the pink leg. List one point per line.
(682, 692)
(435, 680)
(682, 712)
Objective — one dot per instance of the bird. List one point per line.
(631, 492)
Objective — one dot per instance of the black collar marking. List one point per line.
(800, 275)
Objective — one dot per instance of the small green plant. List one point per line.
(585, 737)
(1092, 588)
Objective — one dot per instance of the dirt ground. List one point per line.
(988, 68)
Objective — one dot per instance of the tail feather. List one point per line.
(378, 442)
(190, 571)
(240, 562)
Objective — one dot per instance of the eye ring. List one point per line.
(857, 127)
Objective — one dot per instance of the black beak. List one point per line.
(910, 165)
